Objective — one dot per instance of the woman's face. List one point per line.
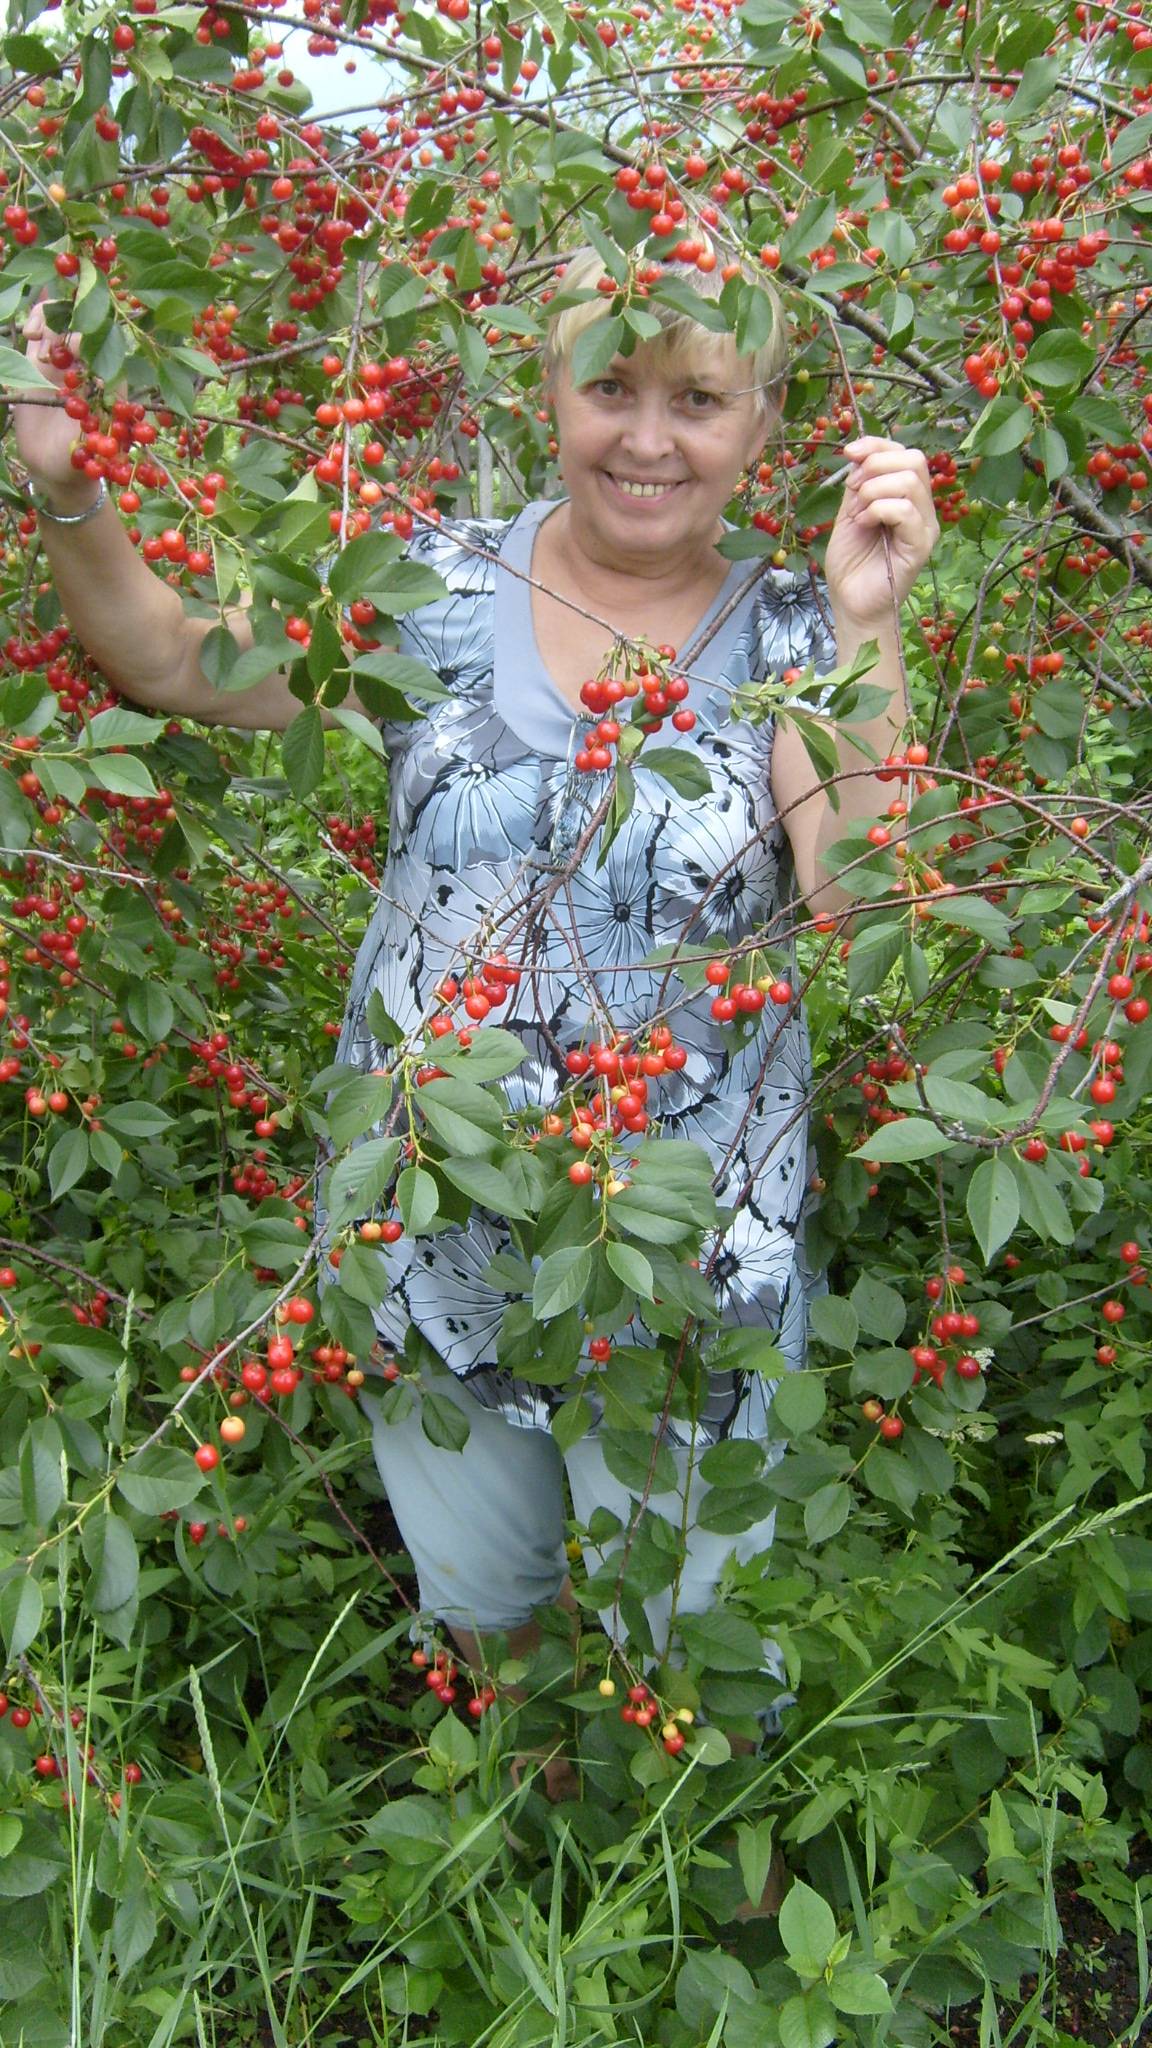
(685, 435)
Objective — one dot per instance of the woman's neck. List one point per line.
(612, 589)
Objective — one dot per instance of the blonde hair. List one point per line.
(682, 340)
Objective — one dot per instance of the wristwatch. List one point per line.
(67, 518)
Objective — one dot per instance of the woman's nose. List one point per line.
(649, 429)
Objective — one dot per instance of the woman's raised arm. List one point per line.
(133, 625)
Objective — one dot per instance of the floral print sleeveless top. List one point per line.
(485, 803)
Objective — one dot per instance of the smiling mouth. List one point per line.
(634, 489)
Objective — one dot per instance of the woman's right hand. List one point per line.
(45, 436)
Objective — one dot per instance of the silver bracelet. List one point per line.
(67, 518)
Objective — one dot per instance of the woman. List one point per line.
(487, 806)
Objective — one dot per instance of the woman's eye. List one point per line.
(709, 399)
(608, 386)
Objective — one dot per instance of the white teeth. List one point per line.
(643, 490)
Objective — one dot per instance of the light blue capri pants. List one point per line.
(485, 1526)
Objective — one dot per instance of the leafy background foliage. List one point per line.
(267, 1815)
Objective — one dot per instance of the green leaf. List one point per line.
(302, 751)
(972, 914)
(512, 320)
(110, 1549)
(357, 1182)
(911, 1137)
(399, 672)
(1133, 140)
(467, 1119)
(285, 578)
(709, 1982)
(722, 1641)
(808, 2020)
(90, 1354)
(134, 1924)
(1005, 425)
(799, 1402)
(380, 1024)
(410, 1830)
(325, 659)
(887, 1373)
(572, 1420)
(845, 71)
(594, 349)
(812, 228)
(492, 1055)
(123, 774)
(41, 1480)
(868, 22)
(152, 1011)
(1059, 360)
(891, 232)
(404, 588)
(29, 53)
(1037, 80)
(749, 1350)
(158, 1480)
(230, 668)
(21, 1613)
(121, 728)
(898, 312)
(361, 728)
(755, 1842)
(19, 373)
(853, 1989)
(826, 1511)
(136, 1119)
(875, 951)
(807, 1927)
(561, 1281)
(417, 1199)
(755, 319)
(453, 1746)
(679, 766)
(356, 1105)
(67, 1161)
(365, 561)
(614, 260)
(444, 1423)
(364, 1275)
(1042, 1206)
(834, 1321)
(819, 743)
(732, 1462)
(993, 1204)
(635, 1210)
(486, 1184)
(632, 1268)
(880, 1309)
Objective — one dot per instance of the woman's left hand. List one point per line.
(888, 493)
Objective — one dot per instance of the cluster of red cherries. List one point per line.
(618, 1100)
(440, 1678)
(743, 998)
(356, 842)
(953, 1329)
(47, 1765)
(662, 693)
(483, 991)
